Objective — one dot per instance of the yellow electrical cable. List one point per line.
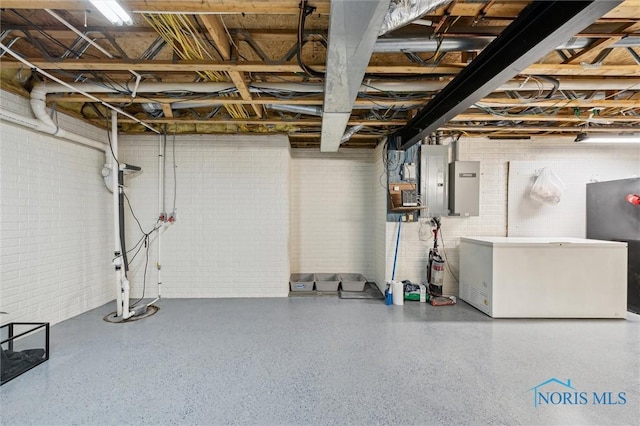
(180, 34)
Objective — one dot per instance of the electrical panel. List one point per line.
(464, 188)
(433, 179)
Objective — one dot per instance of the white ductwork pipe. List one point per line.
(403, 12)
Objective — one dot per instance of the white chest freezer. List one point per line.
(523, 277)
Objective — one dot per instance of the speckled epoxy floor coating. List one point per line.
(324, 361)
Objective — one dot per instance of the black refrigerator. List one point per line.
(610, 216)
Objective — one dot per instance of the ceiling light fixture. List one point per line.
(112, 10)
(608, 138)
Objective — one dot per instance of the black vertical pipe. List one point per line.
(123, 246)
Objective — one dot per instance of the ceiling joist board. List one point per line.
(593, 49)
(183, 6)
(231, 101)
(186, 66)
(527, 129)
(167, 111)
(539, 117)
(632, 102)
(216, 30)
(243, 89)
(266, 121)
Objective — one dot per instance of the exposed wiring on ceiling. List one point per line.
(46, 35)
(231, 40)
(180, 34)
(305, 11)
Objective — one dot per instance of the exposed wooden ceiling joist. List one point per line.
(252, 41)
(182, 6)
(243, 89)
(185, 66)
(541, 117)
(264, 121)
(216, 30)
(538, 29)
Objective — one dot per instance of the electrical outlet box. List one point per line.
(409, 172)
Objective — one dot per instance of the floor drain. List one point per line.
(113, 318)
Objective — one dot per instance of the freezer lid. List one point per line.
(540, 242)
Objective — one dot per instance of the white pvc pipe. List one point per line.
(72, 89)
(50, 129)
(161, 154)
(126, 291)
(42, 89)
(118, 262)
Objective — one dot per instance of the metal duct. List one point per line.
(582, 42)
(456, 44)
(350, 132)
(297, 109)
(403, 12)
(425, 44)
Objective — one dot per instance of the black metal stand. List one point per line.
(9, 372)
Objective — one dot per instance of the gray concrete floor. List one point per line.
(325, 361)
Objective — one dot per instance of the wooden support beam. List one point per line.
(488, 102)
(538, 117)
(192, 66)
(289, 7)
(252, 121)
(557, 103)
(166, 109)
(243, 89)
(215, 28)
(593, 48)
(528, 129)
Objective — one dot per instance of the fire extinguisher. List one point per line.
(435, 264)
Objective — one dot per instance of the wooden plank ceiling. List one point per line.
(248, 44)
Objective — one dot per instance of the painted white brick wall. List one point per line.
(494, 157)
(55, 222)
(232, 234)
(332, 212)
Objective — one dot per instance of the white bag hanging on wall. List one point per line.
(548, 187)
